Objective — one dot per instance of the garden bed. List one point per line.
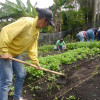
(82, 83)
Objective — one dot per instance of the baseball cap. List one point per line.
(61, 39)
(47, 14)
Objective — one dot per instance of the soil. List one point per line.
(82, 81)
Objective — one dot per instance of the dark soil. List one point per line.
(82, 81)
(25, 56)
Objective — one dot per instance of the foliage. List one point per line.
(69, 4)
(70, 46)
(12, 89)
(61, 3)
(53, 63)
(46, 48)
(75, 18)
(78, 52)
(14, 10)
(71, 98)
(85, 10)
(68, 38)
(48, 29)
(64, 17)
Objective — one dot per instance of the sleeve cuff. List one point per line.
(4, 51)
(35, 62)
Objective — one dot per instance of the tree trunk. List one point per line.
(55, 28)
(91, 4)
(98, 10)
(60, 19)
(93, 13)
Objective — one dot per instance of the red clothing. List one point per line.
(84, 34)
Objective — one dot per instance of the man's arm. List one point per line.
(32, 52)
(8, 33)
(58, 47)
(64, 46)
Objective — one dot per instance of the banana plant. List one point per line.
(16, 10)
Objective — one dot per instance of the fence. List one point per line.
(51, 38)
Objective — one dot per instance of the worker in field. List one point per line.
(60, 45)
(91, 33)
(81, 36)
(15, 38)
(98, 35)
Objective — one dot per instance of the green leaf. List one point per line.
(17, 7)
(9, 7)
(31, 9)
(21, 4)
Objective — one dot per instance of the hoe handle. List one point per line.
(20, 61)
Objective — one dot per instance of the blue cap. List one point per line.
(47, 14)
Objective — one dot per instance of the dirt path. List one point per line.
(85, 82)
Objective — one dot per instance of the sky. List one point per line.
(40, 3)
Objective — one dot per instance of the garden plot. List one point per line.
(83, 73)
(80, 66)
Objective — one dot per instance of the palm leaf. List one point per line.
(7, 6)
(5, 14)
(17, 7)
(34, 12)
(17, 10)
(31, 9)
(29, 6)
(21, 4)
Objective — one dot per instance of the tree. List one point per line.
(60, 4)
(75, 19)
(91, 14)
(57, 12)
(98, 10)
(94, 13)
(55, 16)
(15, 11)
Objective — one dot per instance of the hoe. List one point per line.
(62, 79)
(20, 61)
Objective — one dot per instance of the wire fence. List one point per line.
(51, 38)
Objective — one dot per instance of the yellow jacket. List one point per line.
(19, 36)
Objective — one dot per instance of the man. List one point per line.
(15, 38)
(60, 45)
(81, 35)
(98, 35)
(91, 33)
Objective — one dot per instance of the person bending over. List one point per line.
(16, 38)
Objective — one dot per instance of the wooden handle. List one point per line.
(20, 61)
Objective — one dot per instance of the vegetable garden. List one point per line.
(81, 65)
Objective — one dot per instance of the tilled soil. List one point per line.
(83, 82)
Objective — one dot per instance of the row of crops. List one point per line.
(39, 82)
(75, 52)
(70, 46)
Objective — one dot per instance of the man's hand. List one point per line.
(6, 56)
(59, 50)
(38, 67)
(65, 46)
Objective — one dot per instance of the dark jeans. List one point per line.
(98, 36)
(90, 35)
(60, 48)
